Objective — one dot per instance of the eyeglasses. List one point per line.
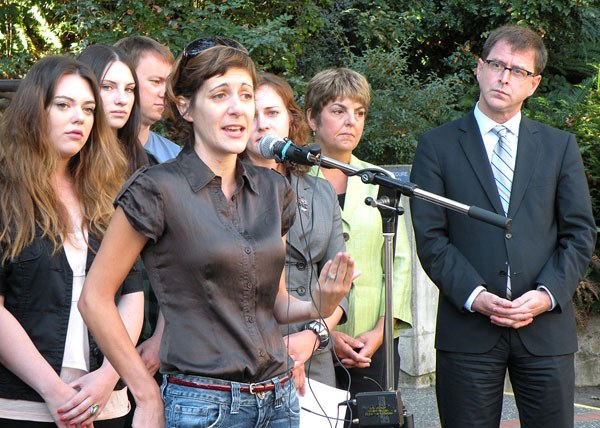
(199, 45)
(498, 67)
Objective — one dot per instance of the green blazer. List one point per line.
(364, 243)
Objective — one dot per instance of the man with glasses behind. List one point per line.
(505, 295)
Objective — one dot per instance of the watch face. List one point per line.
(321, 331)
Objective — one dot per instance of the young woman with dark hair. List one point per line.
(119, 90)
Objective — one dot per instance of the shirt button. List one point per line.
(261, 353)
(301, 265)
(346, 236)
(247, 250)
(250, 319)
(301, 291)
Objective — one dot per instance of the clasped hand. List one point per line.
(92, 388)
(516, 313)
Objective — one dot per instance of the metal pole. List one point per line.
(388, 247)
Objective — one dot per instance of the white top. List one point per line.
(489, 139)
(77, 345)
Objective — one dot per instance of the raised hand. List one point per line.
(334, 281)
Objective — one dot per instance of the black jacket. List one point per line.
(550, 242)
(37, 289)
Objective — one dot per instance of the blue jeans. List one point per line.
(187, 407)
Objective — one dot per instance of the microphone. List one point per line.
(283, 149)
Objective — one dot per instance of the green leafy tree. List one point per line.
(418, 54)
(404, 105)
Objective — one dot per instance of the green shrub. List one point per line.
(576, 109)
(418, 55)
(403, 106)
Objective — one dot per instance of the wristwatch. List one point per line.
(321, 331)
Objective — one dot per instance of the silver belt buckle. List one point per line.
(260, 394)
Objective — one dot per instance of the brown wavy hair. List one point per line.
(299, 130)
(29, 205)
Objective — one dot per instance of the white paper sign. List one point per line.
(319, 402)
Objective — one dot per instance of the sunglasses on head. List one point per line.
(199, 45)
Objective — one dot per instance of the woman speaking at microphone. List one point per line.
(315, 236)
(209, 229)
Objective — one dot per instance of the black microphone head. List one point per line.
(267, 144)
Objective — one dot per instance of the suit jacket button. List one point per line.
(301, 291)
(508, 235)
(301, 265)
(502, 273)
(346, 236)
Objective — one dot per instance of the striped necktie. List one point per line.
(503, 165)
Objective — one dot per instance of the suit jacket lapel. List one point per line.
(472, 145)
(528, 152)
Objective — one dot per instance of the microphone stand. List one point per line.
(385, 178)
(387, 202)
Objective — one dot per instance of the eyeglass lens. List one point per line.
(499, 67)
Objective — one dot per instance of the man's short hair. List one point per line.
(520, 39)
(137, 46)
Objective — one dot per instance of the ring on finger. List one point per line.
(94, 409)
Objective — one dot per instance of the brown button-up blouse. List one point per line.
(214, 264)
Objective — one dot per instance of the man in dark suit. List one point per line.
(505, 295)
